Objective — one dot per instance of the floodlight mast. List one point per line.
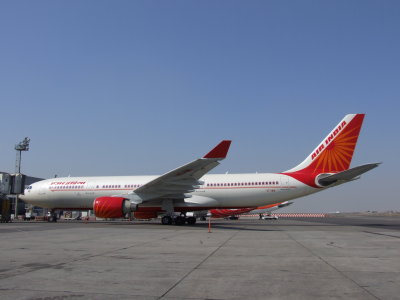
(21, 146)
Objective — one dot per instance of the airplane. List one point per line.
(234, 213)
(189, 187)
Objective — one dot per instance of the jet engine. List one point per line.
(111, 207)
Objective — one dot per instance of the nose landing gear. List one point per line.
(52, 216)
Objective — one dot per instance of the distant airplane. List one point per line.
(188, 188)
(226, 212)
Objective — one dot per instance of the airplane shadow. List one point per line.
(224, 226)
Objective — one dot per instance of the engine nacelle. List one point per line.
(111, 207)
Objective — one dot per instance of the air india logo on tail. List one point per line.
(338, 148)
(328, 140)
(333, 154)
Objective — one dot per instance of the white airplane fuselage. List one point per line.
(219, 190)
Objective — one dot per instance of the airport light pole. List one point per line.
(21, 146)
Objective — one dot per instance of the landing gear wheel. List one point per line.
(166, 220)
(180, 220)
(191, 220)
(52, 218)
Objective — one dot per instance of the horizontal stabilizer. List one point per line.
(284, 204)
(347, 175)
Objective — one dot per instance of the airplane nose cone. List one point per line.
(24, 197)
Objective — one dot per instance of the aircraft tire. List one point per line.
(166, 220)
(191, 220)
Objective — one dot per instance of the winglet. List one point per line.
(220, 151)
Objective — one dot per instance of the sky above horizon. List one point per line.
(142, 87)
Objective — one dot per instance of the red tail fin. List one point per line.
(333, 154)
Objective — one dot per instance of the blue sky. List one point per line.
(141, 87)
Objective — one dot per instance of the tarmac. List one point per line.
(308, 258)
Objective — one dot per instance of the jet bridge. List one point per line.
(12, 185)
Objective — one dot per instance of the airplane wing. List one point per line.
(278, 205)
(227, 212)
(271, 207)
(284, 204)
(348, 175)
(185, 179)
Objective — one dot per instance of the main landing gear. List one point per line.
(178, 220)
(171, 218)
(166, 220)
